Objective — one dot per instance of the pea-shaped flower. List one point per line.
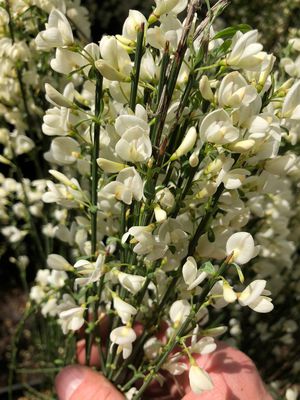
(241, 246)
(217, 128)
(58, 32)
(192, 277)
(246, 51)
(123, 336)
(199, 380)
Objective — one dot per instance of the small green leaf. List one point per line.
(208, 268)
(229, 32)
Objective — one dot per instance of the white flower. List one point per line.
(134, 146)
(217, 128)
(292, 393)
(192, 277)
(256, 297)
(148, 244)
(281, 165)
(133, 24)
(165, 6)
(234, 178)
(199, 379)
(174, 366)
(70, 314)
(169, 31)
(205, 345)
(37, 294)
(205, 89)
(58, 32)
(64, 150)
(13, 234)
(50, 307)
(152, 348)
(234, 91)
(124, 310)
(90, 271)
(110, 166)
(58, 262)
(115, 64)
(123, 336)
(246, 51)
(148, 67)
(125, 123)
(160, 214)
(57, 278)
(58, 99)
(166, 199)
(295, 43)
(66, 61)
(179, 312)
(291, 104)
(63, 178)
(241, 245)
(23, 144)
(291, 67)
(131, 392)
(186, 145)
(133, 283)
(128, 185)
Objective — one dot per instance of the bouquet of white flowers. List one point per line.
(173, 166)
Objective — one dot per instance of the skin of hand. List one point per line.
(234, 375)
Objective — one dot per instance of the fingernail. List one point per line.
(68, 380)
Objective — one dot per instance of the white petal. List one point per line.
(189, 270)
(199, 380)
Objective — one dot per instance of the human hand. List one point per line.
(234, 375)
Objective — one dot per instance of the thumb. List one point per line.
(76, 382)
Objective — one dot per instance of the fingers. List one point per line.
(77, 383)
(234, 375)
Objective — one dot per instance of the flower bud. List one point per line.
(109, 72)
(205, 89)
(242, 146)
(56, 98)
(110, 166)
(63, 179)
(193, 160)
(59, 263)
(199, 380)
(186, 145)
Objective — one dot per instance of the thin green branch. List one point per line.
(137, 67)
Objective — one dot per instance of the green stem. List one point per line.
(175, 339)
(137, 67)
(131, 381)
(163, 72)
(15, 340)
(95, 155)
(174, 72)
(94, 194)
(202, 227)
